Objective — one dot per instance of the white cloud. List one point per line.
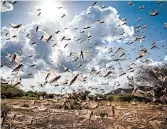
(6, 73)
(111, 20)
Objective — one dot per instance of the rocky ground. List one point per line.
(45, 114)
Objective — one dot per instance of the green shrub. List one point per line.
(8, 91)
(28, 98)
(29, 94)
(38, 94)
(125, 98)
(119, 98)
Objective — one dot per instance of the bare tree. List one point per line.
(150, 78)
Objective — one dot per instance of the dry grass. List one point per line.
(46, 114)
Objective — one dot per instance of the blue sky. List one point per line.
(24, 12)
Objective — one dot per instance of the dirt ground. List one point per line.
(45, 114)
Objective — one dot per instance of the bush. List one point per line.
(38, 94)
(125, 98)
(28, 98)
(8, 91)
(29, 94)
(120, 98)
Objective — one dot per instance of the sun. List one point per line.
(51, 10)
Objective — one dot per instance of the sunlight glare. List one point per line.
(50, 11)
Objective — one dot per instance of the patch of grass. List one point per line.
(120, 98)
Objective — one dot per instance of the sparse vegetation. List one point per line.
(10, 92)
(125, 98)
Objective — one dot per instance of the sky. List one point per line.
(71, 18)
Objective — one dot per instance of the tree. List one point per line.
(8, 91)
(151, 78)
